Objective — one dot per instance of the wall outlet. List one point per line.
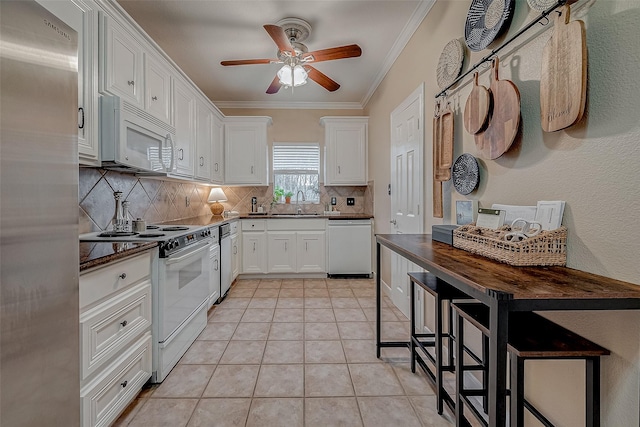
(187, 201)
(334, 201)
(351, 201)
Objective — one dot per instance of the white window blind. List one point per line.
(295, 159)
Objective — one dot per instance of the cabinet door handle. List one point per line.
(306, 246)
(181, 151)
(338, 169)
(254, 246)
(130, 82)
(235, 250)
(124, 323)
(123, 276)
(81, 111)
(124, 383)
(154, 98)
(285, 246)
(201, 161)
(216, 167)
(251, 170)
(216, 264)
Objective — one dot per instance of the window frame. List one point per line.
(317, 172)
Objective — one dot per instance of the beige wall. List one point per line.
(592, 166)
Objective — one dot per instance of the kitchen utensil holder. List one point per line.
(548, 248)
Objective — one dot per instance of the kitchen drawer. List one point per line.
(297, 224)
(102, 400)
(96, 285)
(253, 225)
(234, 227)
(105, 330)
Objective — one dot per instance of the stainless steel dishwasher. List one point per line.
(225, 260)
(349, 247)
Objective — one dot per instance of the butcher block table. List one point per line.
(504, 288)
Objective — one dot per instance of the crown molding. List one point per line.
(290, 105)
(407, 32)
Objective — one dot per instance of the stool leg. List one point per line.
(517, 391)
(459, 410)
(451, 334)
(485, 371)
(438, 352)
(593, 391)
(412, 292)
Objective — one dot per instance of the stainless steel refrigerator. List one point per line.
(39, 344)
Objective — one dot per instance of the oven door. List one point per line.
(183, 285)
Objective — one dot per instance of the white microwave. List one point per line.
(132, 140)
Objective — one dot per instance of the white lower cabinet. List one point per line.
(253, 252)
(115, 337)
(103, 399)
(281, 247)
(311, 252)
(254, 246)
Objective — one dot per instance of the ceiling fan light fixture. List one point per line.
(292, 77)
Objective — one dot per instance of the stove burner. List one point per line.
(116, 234)
(152, 227)
(176, 228)
(151, 235)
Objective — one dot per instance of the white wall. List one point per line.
(592, 165)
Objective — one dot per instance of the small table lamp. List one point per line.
(216, 196)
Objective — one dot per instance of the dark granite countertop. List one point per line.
(94, 254)
(342, 215)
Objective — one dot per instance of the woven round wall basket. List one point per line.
(486, 20)
(450, 63)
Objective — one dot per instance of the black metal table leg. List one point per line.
(459, 408)
(516, 413)
(438, 352)
(412, 346)
(378, 301)
(499, 327)
(593, 392)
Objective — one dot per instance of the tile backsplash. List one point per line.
(158, 200)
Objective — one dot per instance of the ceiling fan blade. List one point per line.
(275, 86)
(321, 78)
(248, 61)
(278, 35)
(350, 51)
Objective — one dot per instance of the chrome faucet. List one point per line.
(299, 210)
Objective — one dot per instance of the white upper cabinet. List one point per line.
(184, 106)
(204, 130)
(217, 150)
(157, 80)
(123, 72)
(83, 17)
(245, 149)
(345, 157)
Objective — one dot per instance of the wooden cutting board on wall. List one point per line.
(563, 79)
(504, 119)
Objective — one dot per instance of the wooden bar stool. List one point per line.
(531, 337)
(443, 293)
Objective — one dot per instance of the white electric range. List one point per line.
(180, 277)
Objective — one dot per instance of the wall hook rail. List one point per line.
(543, 15)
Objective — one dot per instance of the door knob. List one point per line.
(393, 221)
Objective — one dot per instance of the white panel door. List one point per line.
(407, 140)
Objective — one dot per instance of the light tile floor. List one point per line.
(291, 353)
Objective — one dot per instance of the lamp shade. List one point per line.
(296, 78)
(216, 196)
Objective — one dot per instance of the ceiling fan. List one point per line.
(288, 34)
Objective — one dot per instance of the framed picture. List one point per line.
(466, 211)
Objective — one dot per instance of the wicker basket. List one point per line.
(547, 248)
